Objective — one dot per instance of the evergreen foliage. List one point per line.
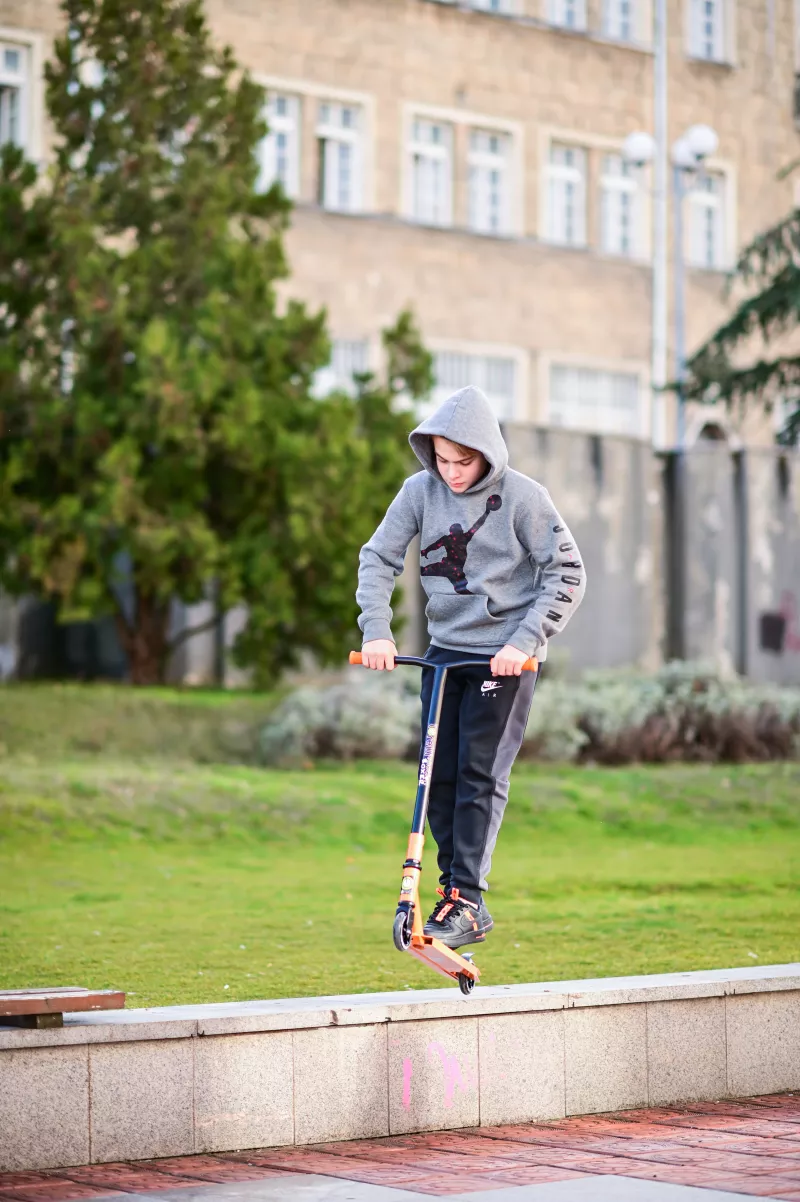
(769, 271)
(159, 433)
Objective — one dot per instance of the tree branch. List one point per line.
(769, 268)
(765, 379)
(191, 631)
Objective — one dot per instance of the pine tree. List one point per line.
(769, 273)
(158, 424)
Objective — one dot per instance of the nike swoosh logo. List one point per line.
(489, 685)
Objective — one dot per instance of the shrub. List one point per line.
(368, 715)
(683, 712)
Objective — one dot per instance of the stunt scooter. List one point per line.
(407, 930)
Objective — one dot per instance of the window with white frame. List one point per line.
(707, 29)
(566, 195)
(279, 152)
(14, 70)
(619, 207)
(339, 142)
(431, 171)
(619, 20)
(489, 6)
(601, 402)
(706, 222)
(569, 14)
(495, 375)
(349, 358)
(489, 180)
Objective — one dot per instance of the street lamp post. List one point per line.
(688, 155)
(658, 350)
(679, 301)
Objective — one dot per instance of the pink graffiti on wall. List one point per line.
(454, 1078)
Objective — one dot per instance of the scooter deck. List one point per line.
(442, 959)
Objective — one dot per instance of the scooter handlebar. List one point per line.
(530, 665)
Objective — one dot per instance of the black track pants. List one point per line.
(480, 732)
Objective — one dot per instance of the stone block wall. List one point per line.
(131, 1085)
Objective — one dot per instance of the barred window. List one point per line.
(601, 402)
(495, 375)
(349, 358)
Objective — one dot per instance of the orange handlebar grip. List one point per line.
(355, 657)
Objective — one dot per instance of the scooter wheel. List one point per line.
(401, 932)
(466, 984)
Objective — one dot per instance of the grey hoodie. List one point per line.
(498, 564)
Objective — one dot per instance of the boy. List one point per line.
(511, 576)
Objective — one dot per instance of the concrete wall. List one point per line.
(713, 543)
(609, 492)
(772, 500)
(147, 1083)
(732, 559)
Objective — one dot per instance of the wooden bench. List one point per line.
(39, 1008)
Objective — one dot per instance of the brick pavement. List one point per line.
(749, 1146)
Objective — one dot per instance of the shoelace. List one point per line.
(443, 901)
(447, 899)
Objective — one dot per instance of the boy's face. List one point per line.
(459, 471)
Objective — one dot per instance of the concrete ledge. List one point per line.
(169, 1081)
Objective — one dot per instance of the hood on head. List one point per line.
(468, 418)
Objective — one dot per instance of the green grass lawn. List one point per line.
(54, 721)
(181, 881)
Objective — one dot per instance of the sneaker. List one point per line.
(486, 918)
(455, 921)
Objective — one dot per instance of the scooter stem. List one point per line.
(412, 868)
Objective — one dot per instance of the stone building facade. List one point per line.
(465, 159)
